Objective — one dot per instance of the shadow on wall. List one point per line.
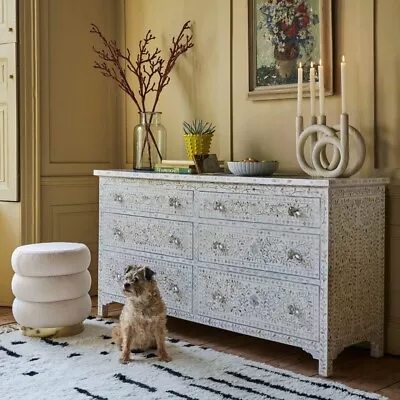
(389, 144)
(10, 234)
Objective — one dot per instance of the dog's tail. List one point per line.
(116, 334)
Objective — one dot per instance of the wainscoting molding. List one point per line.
(78, 126)
(69, 212)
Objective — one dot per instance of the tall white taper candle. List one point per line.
(321, 88)
(343, 84)
(299, 90)
(312, 89)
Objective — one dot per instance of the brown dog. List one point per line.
(143, 318)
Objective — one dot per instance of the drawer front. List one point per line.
(270, 304)
(174, 279)
(160, 236)
(146, 198)
(289, 253)
(283, 210)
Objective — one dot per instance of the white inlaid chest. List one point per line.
(298, 261)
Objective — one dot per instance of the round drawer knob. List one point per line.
(293, 310)
(174, 240)
(254, 301)
(117, 276)
(175, 289)
(218, 246)
(218, 297)
(293, 255)
(174, 202)
(294, 212)
(219, 206)
(117, 233)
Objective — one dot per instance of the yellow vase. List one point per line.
(197, 144)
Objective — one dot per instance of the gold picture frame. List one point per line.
(273, 67)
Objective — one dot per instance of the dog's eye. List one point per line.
(135, 279)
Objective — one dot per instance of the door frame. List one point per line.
(29, 119)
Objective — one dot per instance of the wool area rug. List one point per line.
(86, 367)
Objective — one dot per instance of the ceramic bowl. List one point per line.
(253, 168)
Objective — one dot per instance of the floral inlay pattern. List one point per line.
(237, 257)
(268, 304)
(260, 249)
(260, 208)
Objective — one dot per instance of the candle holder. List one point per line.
(321, 136)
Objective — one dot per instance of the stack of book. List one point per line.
(176, 167)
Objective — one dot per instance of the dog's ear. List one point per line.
(148, 274)
(129, 268)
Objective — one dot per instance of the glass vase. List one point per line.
(149, 141)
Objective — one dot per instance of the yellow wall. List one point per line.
(10, 234)
(266, 129)
(388, 148)
(200, 83)
(388, 85)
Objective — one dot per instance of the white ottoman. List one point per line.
(51, 285)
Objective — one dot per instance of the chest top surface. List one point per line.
(275, 180)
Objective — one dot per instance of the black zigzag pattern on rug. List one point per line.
(74, 355)
(218, 392)
(182, 396)
(245, 388)
(30, 373)
(54, 343)
(282, 388)
(172, 372)
(90, 395)
(125, 379)
(10, 352)
(316, 384)
(231, 380)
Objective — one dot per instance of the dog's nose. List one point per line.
(127, 285)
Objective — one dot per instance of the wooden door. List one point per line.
(78, 119)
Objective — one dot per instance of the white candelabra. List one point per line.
(320, 135)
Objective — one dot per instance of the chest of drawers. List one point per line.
(298, 261)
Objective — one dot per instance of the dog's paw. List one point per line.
(165, 358)
(124, 360)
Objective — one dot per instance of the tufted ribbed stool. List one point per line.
(51, 285)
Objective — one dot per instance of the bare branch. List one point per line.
(151, 70)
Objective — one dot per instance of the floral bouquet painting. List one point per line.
(287, 32)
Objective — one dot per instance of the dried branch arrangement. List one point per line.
(151, 70)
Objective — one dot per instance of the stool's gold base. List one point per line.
(52, 332)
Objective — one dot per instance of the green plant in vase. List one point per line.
(198, 136)
(152, 73)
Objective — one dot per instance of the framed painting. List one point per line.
(282, 34)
